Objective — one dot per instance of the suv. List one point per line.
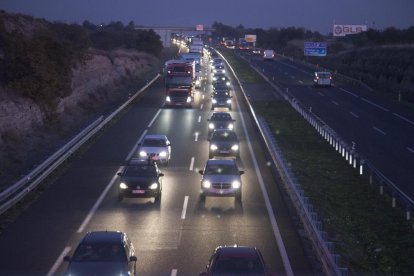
(221, 98)
(235, 260)
(322, 79)
(221, 79)
(220, 120)
(140, 178)
(156, 146)
(268, 55)
(103, 253)
(224, 142)
(221, 177)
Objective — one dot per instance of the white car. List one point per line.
(322, 79)
(268, 55)
(156, 147)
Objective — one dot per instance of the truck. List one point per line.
(179, 76)
(196, 46)
(196, 57)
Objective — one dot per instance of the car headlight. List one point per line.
(142, 154)
(163, 154)
(235, 184)
(168, 99)
(206, 184)
(214, 101)
(188, 99)
(154, 186)
(224, 71)
(228, 83)
(229, 101)
(214, 71)
(214, 78)
(123, 186)
(211, 125)
(213, 147)
(230, 126)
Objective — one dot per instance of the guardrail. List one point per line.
(347, 150)
(12, 195)
(309, 219)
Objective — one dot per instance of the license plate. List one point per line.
(224, 151)
(138, 191)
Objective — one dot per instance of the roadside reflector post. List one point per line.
(350, 158)
(381, 189)
(393, 201)
(408, 215)
(361, 167)
(370, 179)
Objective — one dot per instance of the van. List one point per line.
(268, 55)
(322, 79)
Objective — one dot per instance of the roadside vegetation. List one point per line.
(370, 236)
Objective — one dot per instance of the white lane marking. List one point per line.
(379, 130)
(321, 94)
(184, 207)
(58, 262)
(403, 118)
(292, 77)
(410, 149)
(201, 106)
(153, 119)
(96, 205)
(353, 114)
(174, 272)
(192, 163)
(134, 149)
(203, 95)
(199, 118)
(301, 82)
(350, 93)
(335, 103)
(275, 227)
(300, 70)
(374, 104)
(196, 136)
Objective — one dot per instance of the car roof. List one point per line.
(221, 114)
(155, 136)
(237, 251)
(221, 162)
(104, 237)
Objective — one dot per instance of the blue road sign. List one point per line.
(315, 49)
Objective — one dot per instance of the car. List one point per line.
(235, 260)
(103, 253)
(220, 120)
(140, 178)
(256, 51)
(221, 98)
(322, 79)
(223, 142)
(268, 55)
(221, 177)
(216, 61)
(156, 146)
(220, 79)
(218, 69)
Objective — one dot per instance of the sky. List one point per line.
(315, 15)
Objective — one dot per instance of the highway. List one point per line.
(380, 129)
(177, 235)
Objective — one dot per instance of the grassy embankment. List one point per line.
(370, 236)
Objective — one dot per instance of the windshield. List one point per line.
(154, 143)
(223, 169)
(221, 117)
(224, 136)
(178, 81)
(100, 252)
(136, 171)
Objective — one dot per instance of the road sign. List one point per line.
(317, 49)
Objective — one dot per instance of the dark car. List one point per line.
(223, 142)
(235, 260)
(220, 120)
(140, 178)
(221, 86)
(221, 98)
(221, 79)
(222, 178)
(103, 253)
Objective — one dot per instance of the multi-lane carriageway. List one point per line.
(176, 236)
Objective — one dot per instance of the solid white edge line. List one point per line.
(96, 205)
(379, 130)
(184, 207)
(136, 145)
(403, 118)
(153, 119)
(276, 230)
(174, 272)
(192, 163)
(59, 261)
(199, 118)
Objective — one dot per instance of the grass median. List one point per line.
(370, 236)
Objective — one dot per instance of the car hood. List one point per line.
(224, 143)
(153, 149)
(98, 268)
(139, 181)
(222, 178)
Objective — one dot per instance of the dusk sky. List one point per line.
(316, 15)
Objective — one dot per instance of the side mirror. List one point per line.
(161, 174)
(119, 174)
(241, 172)
(200, 172)
(133, 259)
(67, 259)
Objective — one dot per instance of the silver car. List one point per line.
(157, 147)
(221, 177)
